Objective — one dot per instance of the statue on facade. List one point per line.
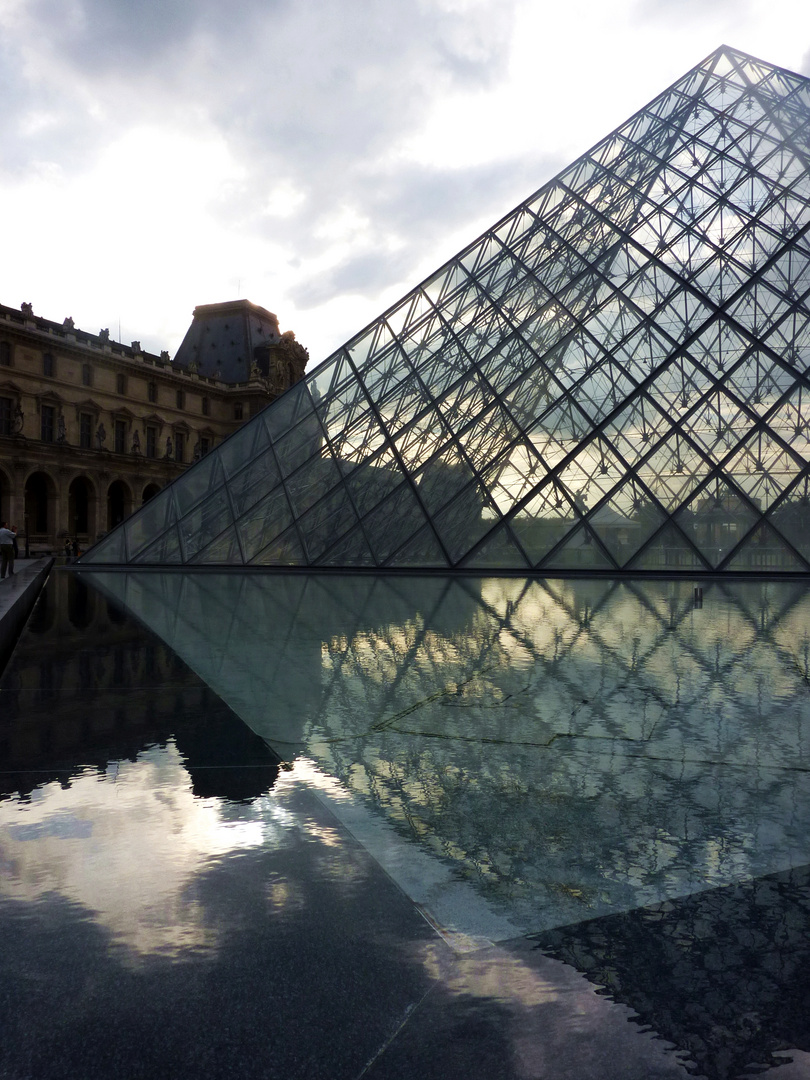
(27, 309)
(136, 443)
(104, 335)
(61, 434)
(290, 360)
(168, 453)
(197, 451)
(295, 350)
(101, 437)
(68, 323)
(19, 419)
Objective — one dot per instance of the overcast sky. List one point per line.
(318, 157)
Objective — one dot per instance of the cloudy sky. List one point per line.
(318, 157)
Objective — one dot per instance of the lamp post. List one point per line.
(27, 543)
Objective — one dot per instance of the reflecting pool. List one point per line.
(613, 773)
(572, 748)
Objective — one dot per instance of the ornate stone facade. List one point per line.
(91, 428)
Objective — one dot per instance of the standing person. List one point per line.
(14, 545)
(67, 548)
(75, 547)
(6, 550)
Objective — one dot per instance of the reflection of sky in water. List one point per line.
(125, 845)
(516, 756)
(570, 747)
(128, 844)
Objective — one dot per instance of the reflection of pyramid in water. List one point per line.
(614, 376)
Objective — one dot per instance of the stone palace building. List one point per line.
(90, 428)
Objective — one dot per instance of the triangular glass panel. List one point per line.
(544, 521)
(198, 483)
(111, 549)
(225, 549)
(669, 550)
(204, 522)
(285, 550)
(462, 524)
(289, 409)
(592, 473)
(442, 478)
(327, 521)
(718, 425)
(631, 342)
(715, 519)
(352, 550)
(422, 550)
(393, 522)
(165, 550)
(255, 480)
(331, 376)
(317, 478)
(265, 521)
(639, 426)
(510, 479)
(236, 452)
(498, 551)
(626, 521)
(673, 470)
(791, 517)
(580, 552)
(373, 480)
(141, 529)
(765, 552)
(760, 381)
(762, 468)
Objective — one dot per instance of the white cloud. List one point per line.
(317, 158)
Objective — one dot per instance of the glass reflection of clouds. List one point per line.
(571, 747)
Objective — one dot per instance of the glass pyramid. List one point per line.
(614, 377)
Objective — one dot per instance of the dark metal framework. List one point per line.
(612, 378)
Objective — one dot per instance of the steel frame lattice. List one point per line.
(612, 378)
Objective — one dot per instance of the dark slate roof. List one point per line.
(223, 338)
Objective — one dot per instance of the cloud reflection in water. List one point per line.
(571, 747)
